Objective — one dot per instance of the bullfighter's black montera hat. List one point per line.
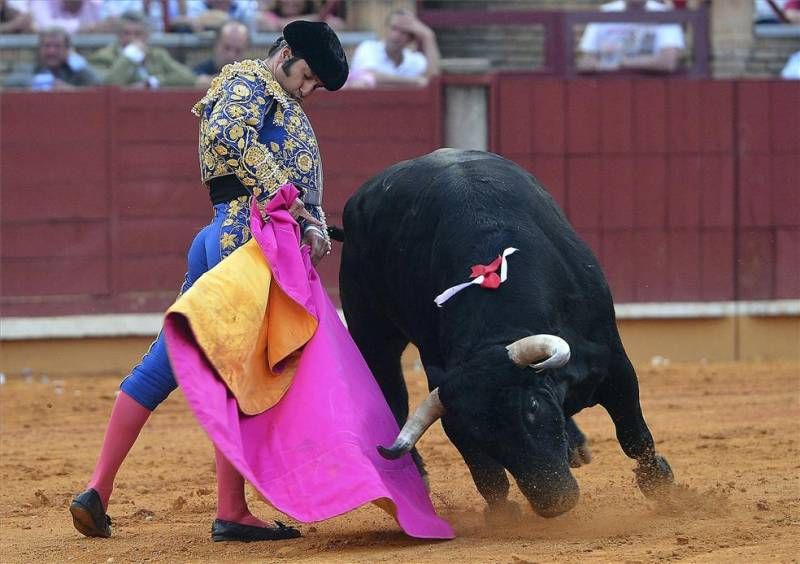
(318, 44)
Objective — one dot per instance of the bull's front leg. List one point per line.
(382, 346)
(653, 472)
(579, 453)
(489, 476)
(621, 400)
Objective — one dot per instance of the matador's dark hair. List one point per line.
(279, 44)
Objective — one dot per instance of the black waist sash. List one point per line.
(225, 188)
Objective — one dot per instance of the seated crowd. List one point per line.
(407, 56)
(92, 16)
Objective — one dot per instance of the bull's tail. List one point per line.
(336, 233)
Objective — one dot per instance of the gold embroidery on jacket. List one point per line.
(235, 229)
(232, 114)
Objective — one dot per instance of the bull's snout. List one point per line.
(549, 499)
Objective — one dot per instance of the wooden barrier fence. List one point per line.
(687, 190)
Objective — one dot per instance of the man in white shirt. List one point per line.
(631, 46)
(792, 69)
(392, 62)
(73, 16)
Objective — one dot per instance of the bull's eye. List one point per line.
(533, 407)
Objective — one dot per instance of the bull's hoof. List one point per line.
(579, 456)
(503, 513)
(557, 505)
(654, 478)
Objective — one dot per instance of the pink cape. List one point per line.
(313, 455)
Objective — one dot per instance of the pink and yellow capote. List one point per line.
(273, 377)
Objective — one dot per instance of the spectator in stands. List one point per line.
(631, 46)
(153, 11)
(392, 62)
(776, 11)
(14, 18)
(792, 11)
(279, 13)
(57, 66)
(791, 71)
(206, 15)
(75, 16)
(132, 62)
(763, 12)
(230, 46)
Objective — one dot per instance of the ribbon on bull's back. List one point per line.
(484, 275)
(312, 454)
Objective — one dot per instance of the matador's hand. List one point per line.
(298, 210)
(318, 244)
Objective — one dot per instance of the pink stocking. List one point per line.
(231, 503)
(127, 418)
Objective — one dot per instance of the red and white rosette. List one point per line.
(484, 275)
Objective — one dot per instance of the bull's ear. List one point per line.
(462, 386)
(477, 377)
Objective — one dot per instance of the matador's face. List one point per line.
(300, 81)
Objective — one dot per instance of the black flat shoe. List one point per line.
(230, 531)
(88, 515)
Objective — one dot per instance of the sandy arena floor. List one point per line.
(731, 433)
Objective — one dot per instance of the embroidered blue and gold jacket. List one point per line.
(250, 127)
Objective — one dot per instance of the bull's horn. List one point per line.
(552, 351)
(425, 416)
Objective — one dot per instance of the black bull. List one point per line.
(416, 229)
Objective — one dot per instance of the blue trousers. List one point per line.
(152, 380)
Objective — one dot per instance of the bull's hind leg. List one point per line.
(620, 398)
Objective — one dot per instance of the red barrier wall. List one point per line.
(768, 129)
(686, 190)
(101, 193)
